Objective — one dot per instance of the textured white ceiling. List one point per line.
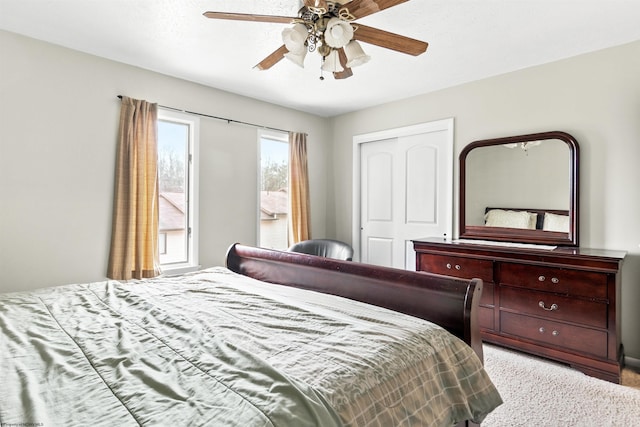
(468, 40)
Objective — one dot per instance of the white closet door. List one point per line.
(404, 191)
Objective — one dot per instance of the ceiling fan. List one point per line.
(328, 27)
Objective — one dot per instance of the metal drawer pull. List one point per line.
(457, 267)
(541, 279)
(449, 266)
(542, 331)
(552, 308)
(555, 280)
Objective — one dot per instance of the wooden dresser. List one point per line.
(561, 304)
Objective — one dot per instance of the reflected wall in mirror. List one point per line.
(520, 189)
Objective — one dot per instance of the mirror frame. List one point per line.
(522, 235)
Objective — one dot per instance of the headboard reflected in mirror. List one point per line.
(521, 189)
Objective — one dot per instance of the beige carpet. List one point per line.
(538, 392)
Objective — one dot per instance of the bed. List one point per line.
(272, 339)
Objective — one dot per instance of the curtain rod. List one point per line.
(219, 118)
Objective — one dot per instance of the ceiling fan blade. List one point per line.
(250, 17)
(389, 40)
(347, 72)
(361, 8)
(272, 59)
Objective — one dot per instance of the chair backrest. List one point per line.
(328, 248)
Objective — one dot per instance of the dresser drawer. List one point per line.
(554, 307)
(556, 334)
(569, 282)
(465, 268)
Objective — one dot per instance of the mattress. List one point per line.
(218, 348)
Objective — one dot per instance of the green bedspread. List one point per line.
(218, 349)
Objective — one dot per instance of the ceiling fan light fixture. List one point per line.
(331, 63)
(328, 27)
(338, 33)
(320, 4)
(355, 54)
(324, 50)
(294, 38)
(296, 58)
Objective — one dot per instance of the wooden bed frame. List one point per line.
(449, 302)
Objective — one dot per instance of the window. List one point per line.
(162, 243)
(177, 163)
(274, 184)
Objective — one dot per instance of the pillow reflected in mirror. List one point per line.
(511, 219)
(553, 222)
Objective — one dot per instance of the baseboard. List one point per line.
(632, 362)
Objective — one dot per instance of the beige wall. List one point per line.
(58, 122)
(594, 97)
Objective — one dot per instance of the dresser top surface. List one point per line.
(517, 248)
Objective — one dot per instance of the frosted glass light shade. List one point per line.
(338, 33)
(296, 58)
(332, 63)
(355, 54)
(294, 38)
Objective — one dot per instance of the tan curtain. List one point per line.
(299, 222)
(134, 234)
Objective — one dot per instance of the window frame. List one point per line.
(280, 136)
(162, 243)
(191, 166)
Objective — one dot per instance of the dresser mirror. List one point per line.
(520, 189)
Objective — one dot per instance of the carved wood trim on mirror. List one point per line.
(521, 189)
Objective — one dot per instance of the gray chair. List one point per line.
(328, 248)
